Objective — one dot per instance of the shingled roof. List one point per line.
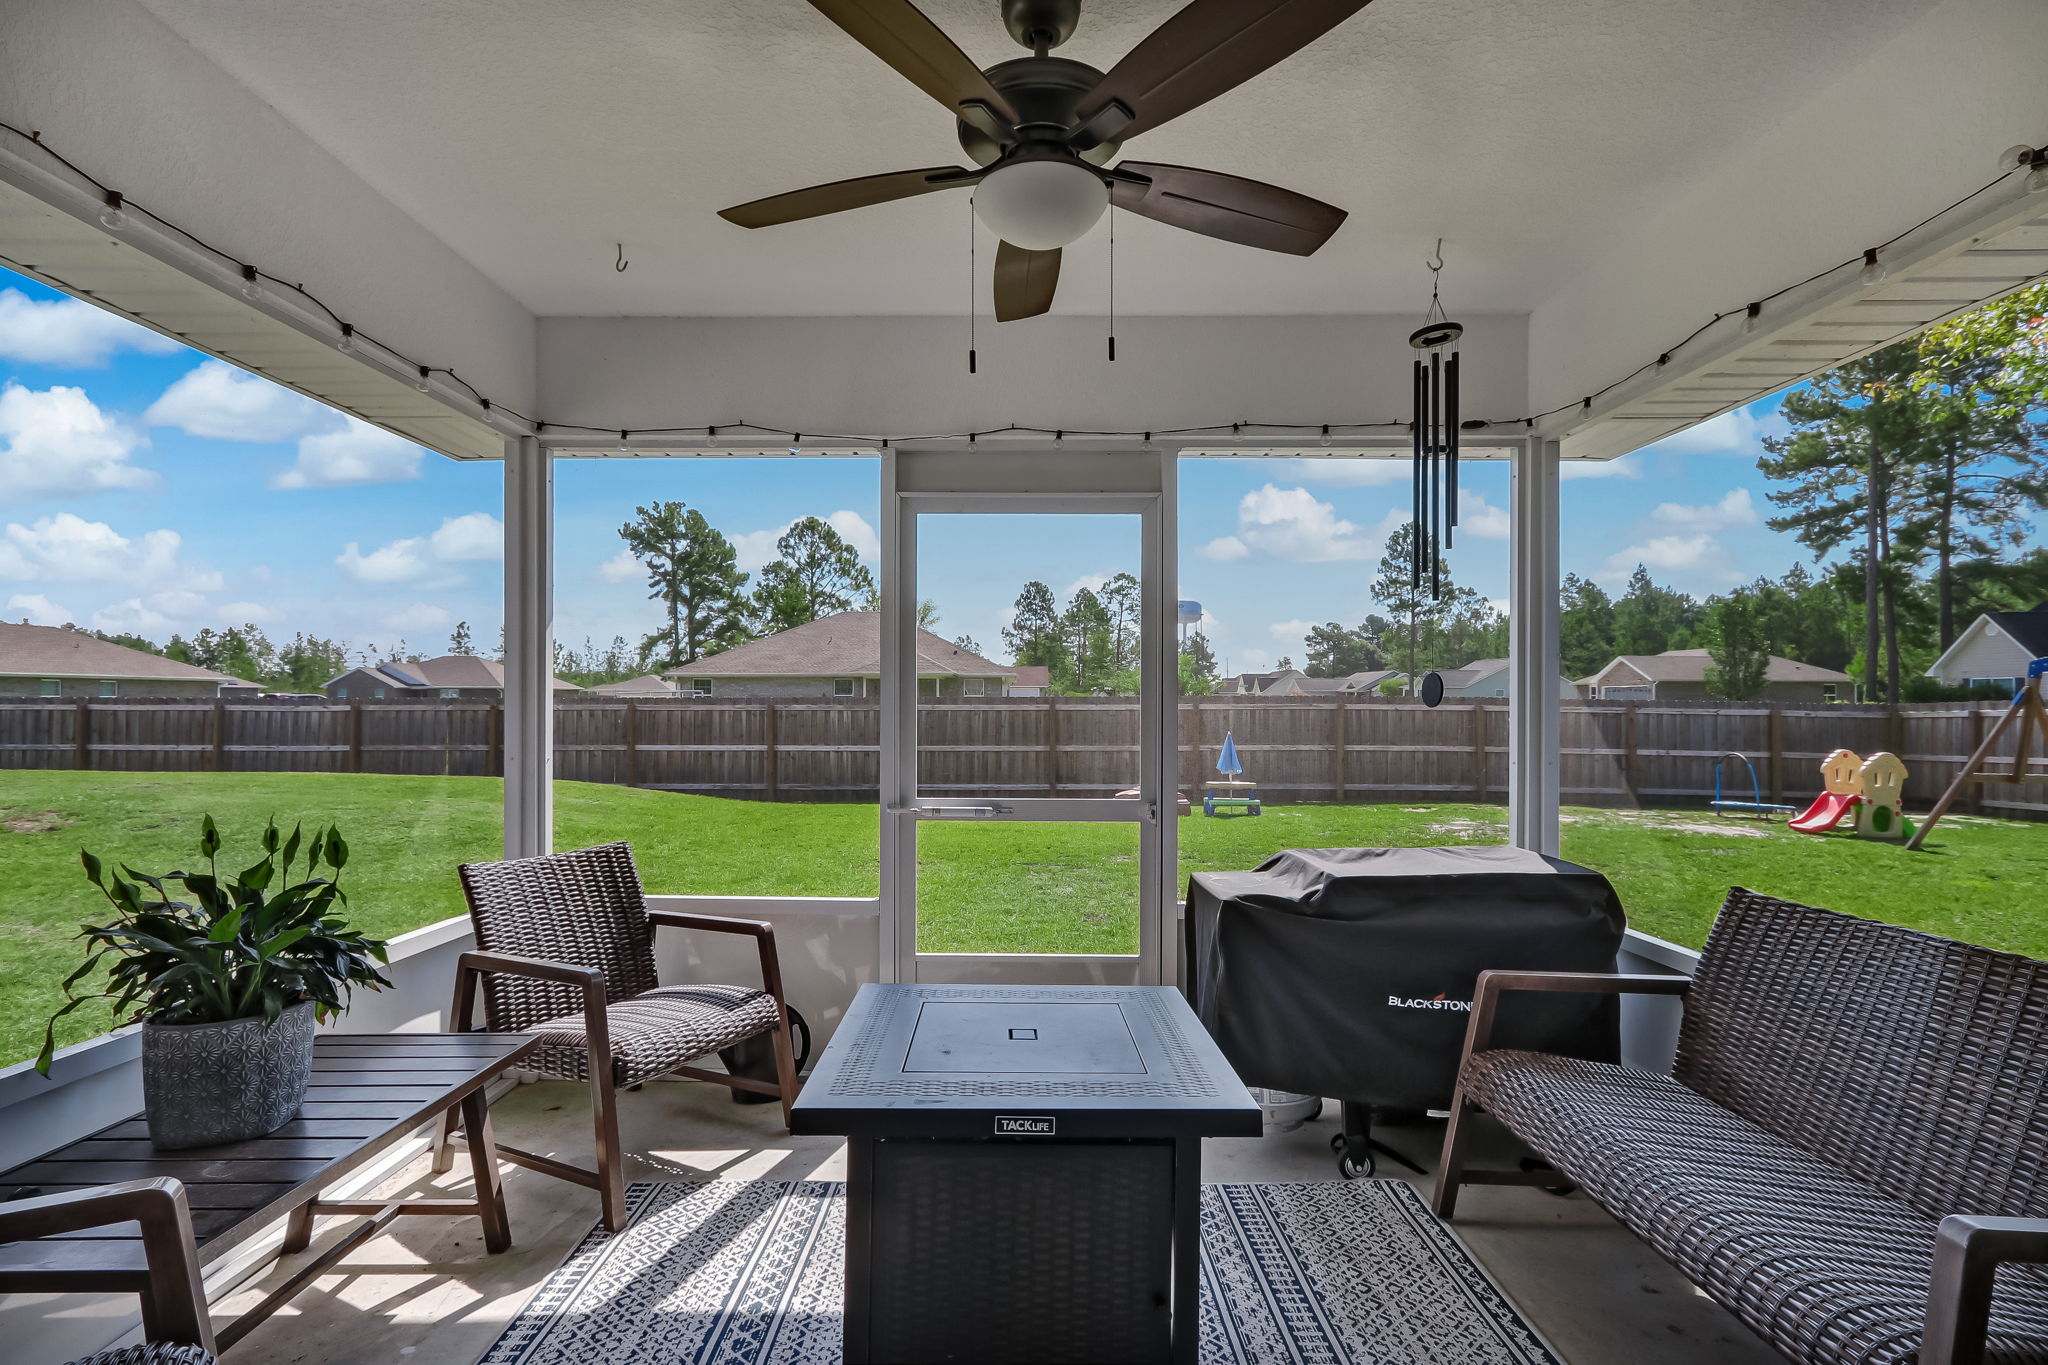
(1690, 665)
(2029, 628)
(846, 644)
(54, 652)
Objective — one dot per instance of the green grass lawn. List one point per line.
(983, 887)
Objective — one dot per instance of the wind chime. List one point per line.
(1435, 431)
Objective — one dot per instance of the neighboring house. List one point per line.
(50, 661)
(837, 656)
(646, 685)
(1033, 680)
(1995, 649)
(1292, 682)
(454, 677)
(1681, 675)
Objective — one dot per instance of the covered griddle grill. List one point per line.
(1348, 972)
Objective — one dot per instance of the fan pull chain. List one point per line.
(1112, 284)
(970, 284)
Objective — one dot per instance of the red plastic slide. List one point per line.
(1825, 813)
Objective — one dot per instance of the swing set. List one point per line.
(2032, 716)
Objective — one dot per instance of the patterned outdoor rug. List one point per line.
(747, 1272)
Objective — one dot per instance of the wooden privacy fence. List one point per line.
(1298, 749)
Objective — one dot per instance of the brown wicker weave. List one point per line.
(566, 949)
(1841, 1088)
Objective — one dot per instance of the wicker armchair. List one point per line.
(1853, 1142)
(174, 1315)
(566, 949)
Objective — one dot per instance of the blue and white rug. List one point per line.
(748, 1272)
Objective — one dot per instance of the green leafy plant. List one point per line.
(225, 948)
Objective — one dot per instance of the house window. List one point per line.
(377, 692)
(109, 687)
(842, 687)
(974, 687)
(341, 694)
(1827, 692)
(700, 687)
(451, 692)
(51, 688)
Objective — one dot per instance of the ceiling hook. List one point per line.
(1436, 262)
(621, 263)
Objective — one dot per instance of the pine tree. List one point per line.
(691, 572)
(816, 574)
(1412, 607)
(1585, 626)
(1649, 619)
(1738, 662)
(1122, 599)
(459, 641)
(1035, 635)
(1089, 633)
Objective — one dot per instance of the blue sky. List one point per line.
(144, 487)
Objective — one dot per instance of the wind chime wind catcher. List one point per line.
(1435, 431)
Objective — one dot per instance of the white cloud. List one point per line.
(1733, 508)
(56, 441)
(1091, 581)
(620, 568)
(419, 616)
(474, 535)
(221, 403)
(1499, 605)
(1291, 630)
(1667, 554)
(755, 550)
(1627, 467)
(69, 332)
(1293, 524)
(426, 560)
(1251, 660)
(357, 454)
(400, 561)
(1478, 517)
(241, 612)
(1740, 432)
(68, 549)
(39, 610)
(131, 616)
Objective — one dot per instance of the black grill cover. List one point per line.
(1348, 972)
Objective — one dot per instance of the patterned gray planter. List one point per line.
(204, 1084)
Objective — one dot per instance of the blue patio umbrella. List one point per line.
(1226, 762)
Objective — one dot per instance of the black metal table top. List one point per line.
(1023, 1061)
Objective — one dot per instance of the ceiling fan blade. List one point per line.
(898, 32)
(1209, 47)
(842, 195)
(1248, 212)
(1025, 281)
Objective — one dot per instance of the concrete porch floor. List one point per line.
(426, 1294)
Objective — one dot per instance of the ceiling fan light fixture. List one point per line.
(1041, 205)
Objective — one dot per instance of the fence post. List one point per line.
(81, 737)
(1479, 788)
(1342, 716)
(355, 736)
(220, 737)
(771, 763)
(1052, 745)
(1973, 796)
(632, 742)
(1774, 730)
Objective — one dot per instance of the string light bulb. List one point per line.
(348, 339)
(1873, 271)
(1750, 318)
(252, 284)
(425, 375)
(2037, 179)
(114, 217)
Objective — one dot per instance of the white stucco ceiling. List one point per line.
(531, 135)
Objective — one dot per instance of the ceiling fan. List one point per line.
(1042, 130)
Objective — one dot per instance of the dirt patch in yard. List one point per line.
(33, 822)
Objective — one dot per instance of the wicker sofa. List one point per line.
(1853, 1143)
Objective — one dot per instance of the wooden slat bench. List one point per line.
(107, 1213)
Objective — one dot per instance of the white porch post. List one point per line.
(1532, 650)
(529, 648)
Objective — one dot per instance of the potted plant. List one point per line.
(227, 975)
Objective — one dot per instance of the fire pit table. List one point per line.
(1023, 1170)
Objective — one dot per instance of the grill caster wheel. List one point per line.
(1336, 1142)
(1355, 1170)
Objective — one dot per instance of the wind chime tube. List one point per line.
(1451, 444)
(1436, 475)
(1415, 489)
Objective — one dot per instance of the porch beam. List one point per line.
(529, 648)
(1533, 737)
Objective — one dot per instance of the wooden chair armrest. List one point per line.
(512, 964)
(716, 924)
(1486, 995)
(1967, 1253)
(174, 1304)
(472, 965)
